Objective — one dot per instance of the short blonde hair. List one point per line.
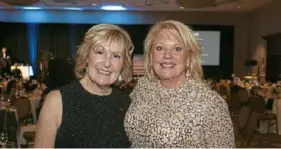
(98, 35)
(189, 41)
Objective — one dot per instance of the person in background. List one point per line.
(44, 59)
(171, 105)
(70, 60)
(235, 85)
(5, 61)
(262, 81)
(56, 78)
(17, 72)
(88, 112)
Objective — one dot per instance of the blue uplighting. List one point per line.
(113, 7)
(32, 44)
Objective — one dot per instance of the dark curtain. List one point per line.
(60, 39)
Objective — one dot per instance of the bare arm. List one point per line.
(49, 121)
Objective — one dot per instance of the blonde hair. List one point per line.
(98, 35)
(189, 41)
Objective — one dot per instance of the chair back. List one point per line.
(269, 104)
(257, 104)
(23, 107)
(235, 104)
(11, 86)
(250, 128)
(243, 96)
(223, 90)
(243, 116)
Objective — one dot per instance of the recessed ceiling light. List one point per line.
(181, 7)
(31, 8)
(94, 4)
(113, 7)
(238, 6)
(72, 8)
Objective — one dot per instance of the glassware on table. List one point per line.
(3, 130)
(2, 98)
(8, 100)
(11, 145)
(3, 138)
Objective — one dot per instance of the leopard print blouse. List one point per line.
(191, 115)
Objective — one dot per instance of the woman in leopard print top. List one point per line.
(171, 106)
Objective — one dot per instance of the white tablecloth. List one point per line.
(34, 101)
(276, 109)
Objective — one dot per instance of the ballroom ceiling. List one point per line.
(141, 5)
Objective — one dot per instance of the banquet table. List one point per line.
(34, 101)
(276, 109)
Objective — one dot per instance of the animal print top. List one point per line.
(191, 115)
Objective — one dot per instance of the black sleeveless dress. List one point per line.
(92, 121)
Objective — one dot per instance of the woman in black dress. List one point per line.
(88, 112)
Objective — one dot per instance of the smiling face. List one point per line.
(169, 56)
(105, 63)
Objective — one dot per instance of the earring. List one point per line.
(86, 68)
(120, 77)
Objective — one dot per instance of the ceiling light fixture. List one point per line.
(31, 8)
(72, 8)
(113, 7)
